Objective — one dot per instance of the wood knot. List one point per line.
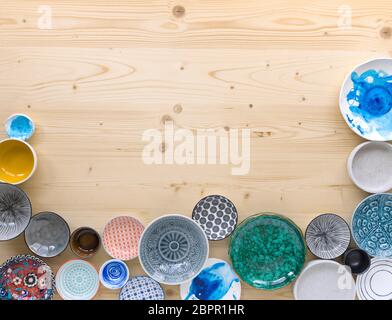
(178, 11)
(386, 32)
(177, 108)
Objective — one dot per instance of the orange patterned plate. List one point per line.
(121, 237)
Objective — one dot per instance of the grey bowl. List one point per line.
(173, 249)
(15, 211)
(47, 235)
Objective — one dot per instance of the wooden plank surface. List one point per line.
(109, 70)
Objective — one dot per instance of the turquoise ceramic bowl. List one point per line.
(267, 251)
(371, 225)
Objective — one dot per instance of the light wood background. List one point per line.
(108, 70)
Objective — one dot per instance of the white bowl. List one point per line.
(325, 280)
(370, 166)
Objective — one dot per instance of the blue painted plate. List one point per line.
(366, 100)
(372, 225)
(216, 281)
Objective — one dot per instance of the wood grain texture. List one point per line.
(111, 69)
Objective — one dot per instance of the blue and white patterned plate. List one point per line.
(366, 100)
(77, 280)
(142, 288)
(173, 249)
(371, 225)
(114, 274)
(217, 281)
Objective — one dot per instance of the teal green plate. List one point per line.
(267, 251)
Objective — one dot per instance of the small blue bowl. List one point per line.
(114, 274)
(20, 126)
(372, 225)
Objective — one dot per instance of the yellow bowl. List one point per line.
(18, 161)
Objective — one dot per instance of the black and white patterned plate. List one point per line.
(142, 288)
(376, 282)
(217, 216)
(328, 236)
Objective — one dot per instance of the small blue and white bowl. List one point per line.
(20, 126)
(114, 274)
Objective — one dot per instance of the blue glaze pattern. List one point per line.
(366, 100)
(372, 225)
(213, 282)
(19, 127)
(114, 274)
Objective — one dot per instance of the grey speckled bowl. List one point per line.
(47, 234)
(15, 211)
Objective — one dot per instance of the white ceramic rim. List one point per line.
(181, 216)
(184, 287)
(347, 78)
(59, 274)
(34, 157)
(103, 237)
(352, 218)
(106, 285)
(21, 115)
(357, 286)
(312, 263)
(350, 167)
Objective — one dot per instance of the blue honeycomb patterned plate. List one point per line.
(372, 225)
(142, 288)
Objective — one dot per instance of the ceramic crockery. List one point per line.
(366, 99)
(358, 260)
(114, 274)
(77, 280)
(376, 282)
(18, 161)
(325, 280)
(15, 211)
(173, 249)
(121, 237)
(370, 166)
(142, 288)
(85, 242)
(25, 277)
(372, 225)
(47, 234)
(216, 281)
(267, 251)
(328, 236)
(19, 126)
(217, 216)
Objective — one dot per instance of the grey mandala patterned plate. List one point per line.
(173, 249)
(47, 234)
(372, 225)
(217, 216)
(328, 236)
(142, 288)
(15, 211)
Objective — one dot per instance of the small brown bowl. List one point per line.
(85, 242)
